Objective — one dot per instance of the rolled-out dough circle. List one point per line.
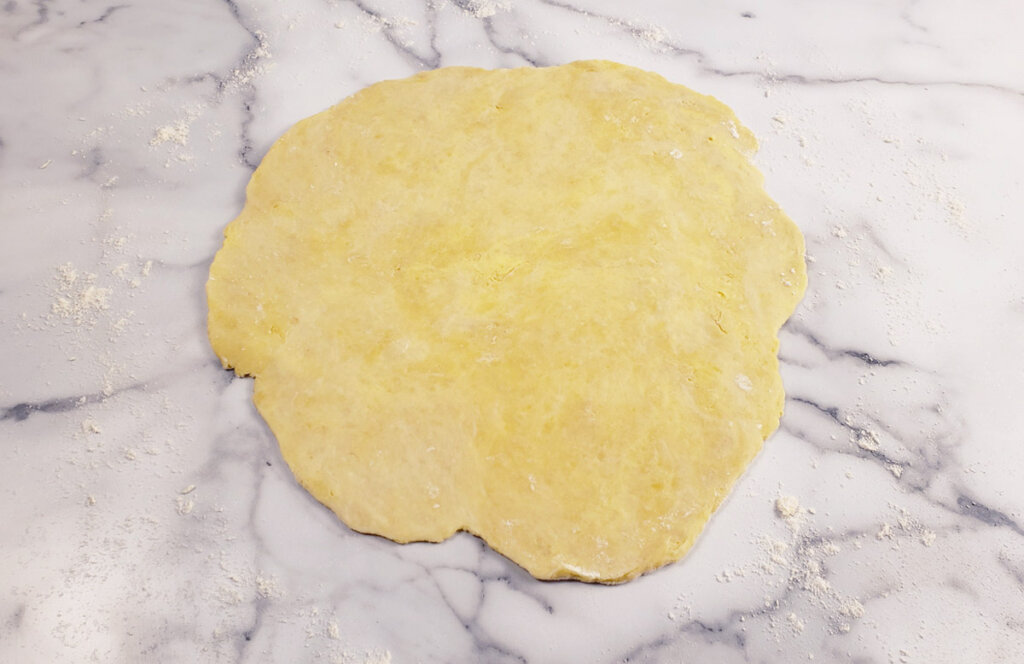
(539, 305)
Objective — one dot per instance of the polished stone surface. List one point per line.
(147, 515)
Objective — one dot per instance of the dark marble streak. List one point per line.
(93, 160)
(851, 449)
(787, 592)
(929, 458)
(801, 79)
(481, 640)
(926, 464)
(245, 442)
(246, 634)
(511, 48)
(432, 61)
(20, 412)
(1014, 569)
(675, 48)
(635, 30)
(834, 353)
(102, 18)
(724, 632)
(248, 92)
(42, 16)
(989, 516)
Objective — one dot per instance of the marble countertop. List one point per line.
(147, 515)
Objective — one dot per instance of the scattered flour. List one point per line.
(912, 527)
(251, 66)
(654, 37)
(267, 587)
(906, 527)
(486, 8)
(172, 133)
(372, 657)
(373, 24)
(867, 440)
(789, 510)
(796, 570)
(77, 296)
(852, 608)
(830, 548)
(787, 507)
(325, 637)
(184, 505)
(681, 610)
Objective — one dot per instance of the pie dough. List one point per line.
(538, 305)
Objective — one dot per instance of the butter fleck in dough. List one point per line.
(539, 305)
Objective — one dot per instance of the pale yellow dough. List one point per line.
(539, 305)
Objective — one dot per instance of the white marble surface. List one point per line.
(147, 515)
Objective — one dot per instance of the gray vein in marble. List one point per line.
(641, 31)
(832, 353)
(908, 19)
(801, 79)
(921, 456)
(431, 61)
(482, 641)
(20, 412)
(1015, 570)
(713, 632)
(873, 237)
(94, 160)
(248, 90)
(510, 49)
(833, 414)
(987, 515)
(925, 462)
(102, 18)
(42, 16)
(512, 578)
(731, 629)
